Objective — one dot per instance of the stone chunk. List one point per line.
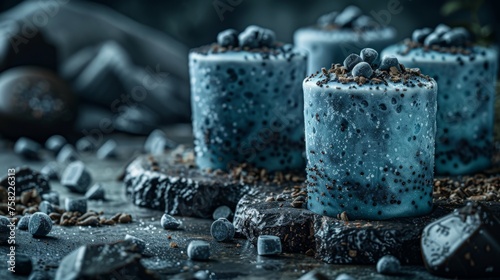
(40, 224)
(223, 212)
(96, 192)
(67, 154)
(55, 143)
(27, 148)
(169, 222)
(76, 177)
(141, 244)
(76, 205)
(107, 150)
(388, 265)
(222, 230)
(268, 245)
(463, 244)
(198, 250)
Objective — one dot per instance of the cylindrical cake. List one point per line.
(336, 35)
(248, 106)
(370, 142)
(466, 77)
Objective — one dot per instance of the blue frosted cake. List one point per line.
(336, 35)
(370, 139)
(466, 76)
(246, 96)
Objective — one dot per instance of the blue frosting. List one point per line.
(466, 82)
(370, 147)
(248, 108)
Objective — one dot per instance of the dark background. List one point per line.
(196, 22)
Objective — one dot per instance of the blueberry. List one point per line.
(388, 265)
(351, 61)
(327, 19)
(198, 250)
(456, 37)
(55, 143)
(76, 177)
(24, 265)
(139, 243)
(107, 150)
(84, 145)
(24, 222)
(255, 36)
(40, 224)
(388, 62)
(364, 22)
(347, 16)
(433, 39)
(50, 170)
(169, 222)
(368, 55)
(76, 205)
(222, 230)
(250, 37)
(52, 197)
(441, 29)
(222, 212)
(268, 245)
(27, 148)
(96, 192)
(362, 69)
(67, 154)
(228, 38)
(46, 207)
(267, 38)
(419, 35)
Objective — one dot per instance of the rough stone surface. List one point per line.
(27, 179)
(330, 239)
(180, 189)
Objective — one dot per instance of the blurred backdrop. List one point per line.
(126, 60)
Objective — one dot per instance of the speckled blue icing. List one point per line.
(248, 108)
(370, 147)
(330, 46)
(464, 137)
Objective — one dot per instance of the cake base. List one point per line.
(275, 205)
(334, 240)
(172, 183)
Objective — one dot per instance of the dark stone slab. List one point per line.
(27, 179)
(334, 240)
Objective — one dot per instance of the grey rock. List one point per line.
(27, 148)
(40, 224)
(96, 192)
(27, 179)
(55, 143)
(388, 265)
(76, 205)
(67, 154)
(23, 223)
(52, 197)
(222, 230)
(157, 142)
(268, 245)
(84, 144)
(198, 250)
(223, 212)
(76, 177)
(102, 262)
(107, 150)
(169, 222)
(46, 207)
(141, 244)
(50, 170)
(313, 275)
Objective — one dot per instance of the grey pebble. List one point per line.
(76, 205)
(268, 245)
(40, 224)
(76, 177)
(222, 230)
(96, 192)
(198, 250)
(169, 222)
(140, 244)
(27, 148)
(388, 265)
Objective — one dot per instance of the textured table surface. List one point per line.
(236, 259)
